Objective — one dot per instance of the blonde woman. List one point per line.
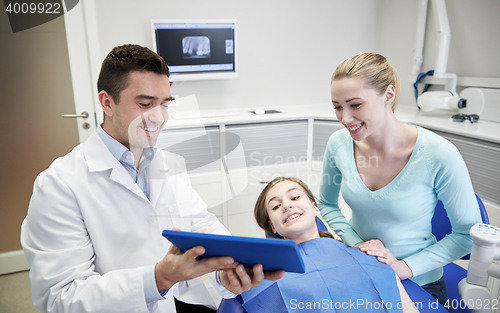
(392, 174)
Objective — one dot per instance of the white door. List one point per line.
(84, 61)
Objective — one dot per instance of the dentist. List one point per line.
(92, 236)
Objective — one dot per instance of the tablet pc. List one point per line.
(273, 254)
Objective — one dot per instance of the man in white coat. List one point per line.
(92, 236)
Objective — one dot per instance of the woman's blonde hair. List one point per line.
(260, 210)
(374, 69)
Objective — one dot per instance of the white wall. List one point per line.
(474, 43)
(287, 49)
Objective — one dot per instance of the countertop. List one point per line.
(438, 120)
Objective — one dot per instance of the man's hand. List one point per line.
(238, 280)
(177, 266)
(376, 248)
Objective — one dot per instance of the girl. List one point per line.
(336, 277)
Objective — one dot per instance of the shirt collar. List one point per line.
(119, 151)
(116, 148)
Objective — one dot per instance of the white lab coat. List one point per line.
(90, 230)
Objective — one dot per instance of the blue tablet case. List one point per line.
(273, 254)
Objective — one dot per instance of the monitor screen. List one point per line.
(196, 50)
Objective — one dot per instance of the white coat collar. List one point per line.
(99, 159)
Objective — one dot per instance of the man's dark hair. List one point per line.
(120, 61)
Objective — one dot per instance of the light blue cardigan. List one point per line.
(400, 213)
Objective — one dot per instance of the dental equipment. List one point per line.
(434, 100)
(473, 289)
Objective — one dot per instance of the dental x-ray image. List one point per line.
(196, 47)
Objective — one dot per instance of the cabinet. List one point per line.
(268, 150)
(322, 130)
(252, 155)
(483, 162)
(201, 149)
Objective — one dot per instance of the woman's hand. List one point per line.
(376, 248)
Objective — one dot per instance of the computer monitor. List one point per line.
(197, 49)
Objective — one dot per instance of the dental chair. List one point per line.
(453, 273)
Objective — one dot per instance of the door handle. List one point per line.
(82, 115)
